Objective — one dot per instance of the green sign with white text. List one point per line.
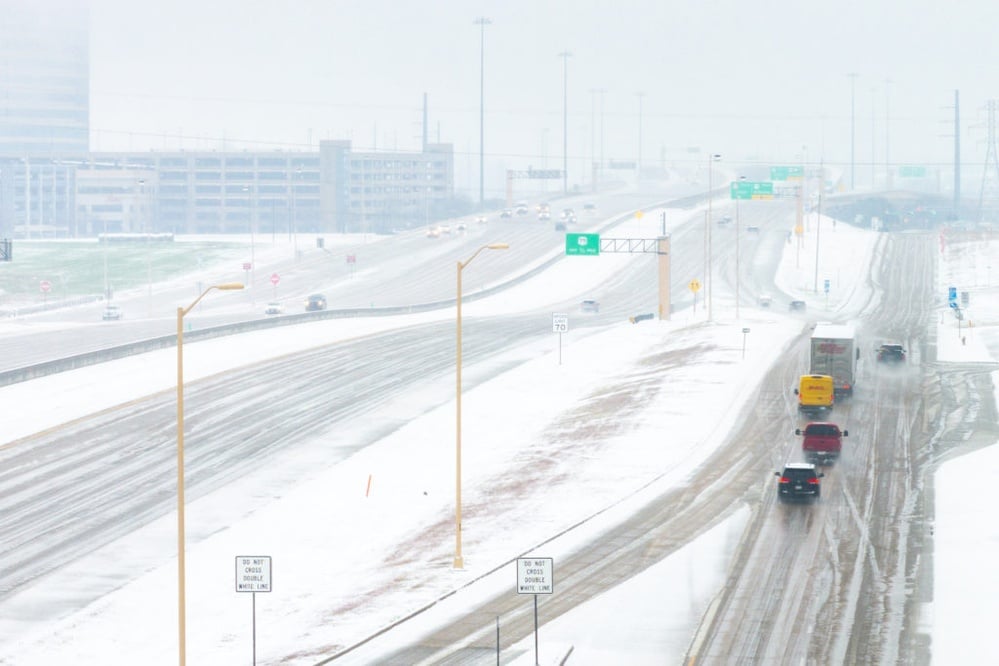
(582, 243)
(749, 189)
(912, 171)
(787, 173)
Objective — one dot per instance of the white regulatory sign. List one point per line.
(535, 575)
(253, 573)
(560, 323)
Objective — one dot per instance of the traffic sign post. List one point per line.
(560, 325)
(274, 281)
(253, 574)
(535, 575)
(694, 286)
(45, 286)
(588, 244)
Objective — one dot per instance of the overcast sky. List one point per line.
(763, 79)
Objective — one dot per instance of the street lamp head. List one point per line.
(227, 286)
(498, 246)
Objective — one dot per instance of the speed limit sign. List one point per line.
(560, 322)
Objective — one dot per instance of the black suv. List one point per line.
(891, 353)
(798, 481)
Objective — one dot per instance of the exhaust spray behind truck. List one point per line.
(834, 352)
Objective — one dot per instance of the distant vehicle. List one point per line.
(590, 305)
(891, 352)
(589, 205)
(822, 441)
(544, 207)
(544, 216)
(724, 220)
(752, 229)
(815, 394)
(797, 306)
(433, 232)
(799, 481)
(521, 207)
(765, 300)
(315, 302)
(481, 219)
(560, 226)
(274, 308)
(445, 229)
(507, 213)
(461, 226)
(112, 313)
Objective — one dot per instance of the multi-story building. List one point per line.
(44, 78)
(272, 192)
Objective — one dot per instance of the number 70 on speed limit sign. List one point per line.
(560, 323)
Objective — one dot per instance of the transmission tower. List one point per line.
(988, 198)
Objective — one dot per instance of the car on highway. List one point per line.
(560, 226)
(112, 313)
(797, 306)
(764, 300)
(724, 220)
(433, 232)
(590, 305)
(589, 206)
(315, 302)
(274, 308)
(507, 213)
(890, 352)
(799, 480)
(460, 227)
(752, 229)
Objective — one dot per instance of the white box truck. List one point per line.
(834, 352)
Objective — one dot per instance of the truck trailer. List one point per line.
(834, 352)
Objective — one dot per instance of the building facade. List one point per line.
(334, 190)
(44, 78)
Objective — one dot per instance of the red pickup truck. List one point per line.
(822, 441)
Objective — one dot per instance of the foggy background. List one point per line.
(761, 81)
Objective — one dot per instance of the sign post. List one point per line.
(535, 575)
(560, 325)
(694, 286)
(274, 281)
(253, 574)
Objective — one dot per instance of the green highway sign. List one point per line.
(749, 189)
(582, 243)
(787, 173)
(912, 171)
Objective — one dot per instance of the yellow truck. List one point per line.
(816, 393)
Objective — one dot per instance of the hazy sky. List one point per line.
(762, 79)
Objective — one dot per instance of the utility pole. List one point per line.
(853, 132)
(565, 121)
(482, 22)
(638, 170)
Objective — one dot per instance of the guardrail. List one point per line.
(83, 360)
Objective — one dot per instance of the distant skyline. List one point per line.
(766, 81)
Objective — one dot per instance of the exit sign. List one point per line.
(582, 244)
(747, 189)
(787, 173)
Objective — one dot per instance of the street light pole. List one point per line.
(638, 171)
(482, 22)
(853, 111)
(181, 564)
(565, 121)
(711, 159)
(737, 240)
(459, 561)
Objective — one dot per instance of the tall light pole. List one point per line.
(482, 22)
(600, 165)
(888, 178)
(638, 171)
(853, 114)
(737, 239)
(459, 561)
(711, 160)
(181, 567)
(565, 121)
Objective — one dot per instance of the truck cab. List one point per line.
(822, 441)
(816, 393)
